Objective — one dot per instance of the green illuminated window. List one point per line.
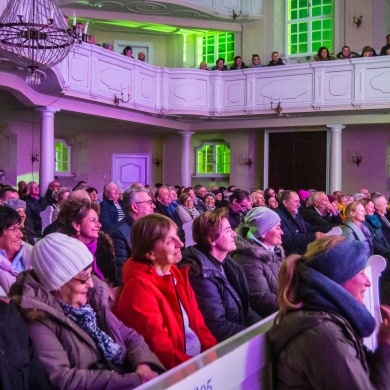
(63, 156)
(213, 46)
(213, 159)
(309, 26)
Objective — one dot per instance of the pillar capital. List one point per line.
(186, 133)
(336, 128)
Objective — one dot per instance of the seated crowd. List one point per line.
(114, 293)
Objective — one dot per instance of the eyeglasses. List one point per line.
(15, 229)
(84, 281)
(145, 201)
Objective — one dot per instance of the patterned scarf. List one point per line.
(85, 318)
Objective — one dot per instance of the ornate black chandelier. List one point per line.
(33, 34)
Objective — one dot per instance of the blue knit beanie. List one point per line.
(341, 262)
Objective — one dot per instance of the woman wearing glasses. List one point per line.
(79, 342)
(14, 253)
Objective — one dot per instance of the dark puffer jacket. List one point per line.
(224, 302)
(261, 268)
(318, 350)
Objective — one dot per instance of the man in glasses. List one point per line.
(238, 206)
(137, 204)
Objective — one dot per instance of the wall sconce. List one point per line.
(278, 109)
(235, 16)
(34, 157)
(122, 99)
(2, 174)
(157, 162)
(358, 20)
(357, 158)
(246, 160)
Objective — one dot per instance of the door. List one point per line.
(131, 168)
(298, 160)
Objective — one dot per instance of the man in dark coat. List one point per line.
(163, 200)
(296, 233)
(238, 205)
(110, 210)
(321, 214)
(137, 204)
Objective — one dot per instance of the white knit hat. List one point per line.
(58, 258)
(260, 220)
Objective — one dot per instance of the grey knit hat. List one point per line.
(260, 220)
(58, 258)
(209, 194)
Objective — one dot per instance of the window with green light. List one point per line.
(309, 26)
(63, 157)
(213, 46)
(213, 159)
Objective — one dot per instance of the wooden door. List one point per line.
(131, 168)
(298, 160)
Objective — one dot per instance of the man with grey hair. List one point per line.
(110, 210)
(321, 214)
(136, 204)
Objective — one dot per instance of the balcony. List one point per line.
(92, 77)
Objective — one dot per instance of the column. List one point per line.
(47, 153)
(186, 158)
(335, 180)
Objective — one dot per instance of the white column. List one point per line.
(47, 158)
(335, 182)
(186, 158)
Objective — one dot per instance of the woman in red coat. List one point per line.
(157, 299)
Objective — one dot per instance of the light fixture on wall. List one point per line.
(357, 20)
(2, 174)
(34, 157)
(278, 108)
(357, 158)
(246, 159)
(235, 15)
(34, 33)
(122, 99)
(157, 162)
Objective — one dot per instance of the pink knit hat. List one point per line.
(303, 194)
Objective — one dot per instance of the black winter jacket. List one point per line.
(224, 302)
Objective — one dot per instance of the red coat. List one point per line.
(149, 304)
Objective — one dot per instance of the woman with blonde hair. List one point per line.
(354, 227)
(316, 340)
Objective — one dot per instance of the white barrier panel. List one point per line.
(242, 361)
(236, 363)
(375, 265)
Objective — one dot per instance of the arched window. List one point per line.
(63, 157)
(213, 160)
(309, 26)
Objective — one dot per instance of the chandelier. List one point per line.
(34, 33)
